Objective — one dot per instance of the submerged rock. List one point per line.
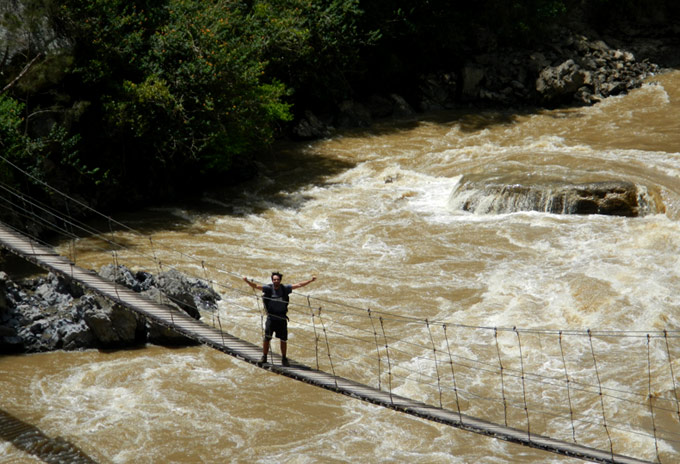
(615, 198)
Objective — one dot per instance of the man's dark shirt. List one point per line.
(276, 301)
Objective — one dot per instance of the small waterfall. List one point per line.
(615, 198)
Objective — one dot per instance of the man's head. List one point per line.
(276, 278)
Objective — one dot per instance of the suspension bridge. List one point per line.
(49, 260)
(549, 388)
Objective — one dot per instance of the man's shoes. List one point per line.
(263, 359)
(284, 362)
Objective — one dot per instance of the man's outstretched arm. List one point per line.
(252, 284)
(302, 284)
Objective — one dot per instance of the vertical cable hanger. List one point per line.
(436, 366)
(114, 256)
(389, 364)
(651, 398)
(377, 348)
(566, 376)
(500, 364)
(453, 375)
(328, 348)
(670, 365)
(524, 390)
(599, 385)
(316, 335)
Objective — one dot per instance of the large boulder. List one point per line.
(109, 324)
(137, 281)
(473, 75)
(311, 127)
(437, 91)
(556, 84)
(188, 293)
(569, 68)
(352, 114)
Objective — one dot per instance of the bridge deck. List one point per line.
(49, 260)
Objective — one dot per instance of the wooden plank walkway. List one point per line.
(49, 260)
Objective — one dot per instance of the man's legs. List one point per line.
(283, 336)
(284, 348)
(265, 351)
(265, 347)
(268, 332)
(281, 331)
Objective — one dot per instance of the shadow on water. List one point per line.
(282, 173)
(467, 119)
(31, 440)
(289, 168)
(476, 120)
(294, 166)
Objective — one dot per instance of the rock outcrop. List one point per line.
(613, 198)
(50, 313)
(574, 67)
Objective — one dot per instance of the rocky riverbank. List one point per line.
(49, 312)
(576, 66)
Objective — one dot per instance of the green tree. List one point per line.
(139, 94)
(177, 87)
(314, 47)
(12, 139)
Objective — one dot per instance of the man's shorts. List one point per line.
(278, 326)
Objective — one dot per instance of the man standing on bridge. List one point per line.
(275, 298)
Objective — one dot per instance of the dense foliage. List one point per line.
(150, 98)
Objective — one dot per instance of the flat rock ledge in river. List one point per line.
(614, 198)
(52, 313)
